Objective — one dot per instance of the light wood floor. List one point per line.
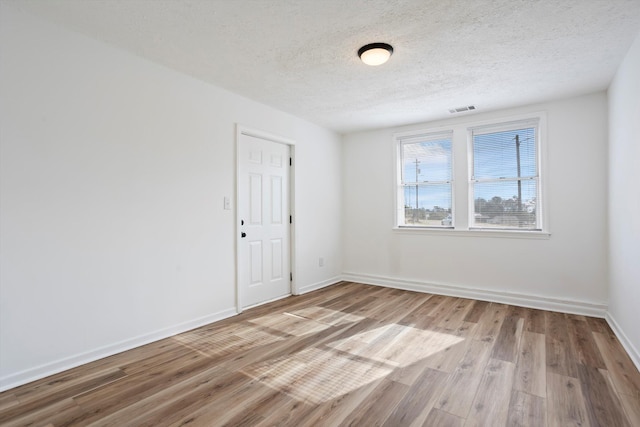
(358, 355)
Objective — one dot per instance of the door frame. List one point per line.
(244, 130)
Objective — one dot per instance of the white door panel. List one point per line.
(263, 209)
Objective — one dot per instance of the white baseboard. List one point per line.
(525, 300)
(42, 371)
(512, 298)
(319, 285)
(632, 351)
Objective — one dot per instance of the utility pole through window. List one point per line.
(415, 210)
(518, 166)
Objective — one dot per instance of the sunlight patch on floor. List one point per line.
(316, 375)
(288, 324)
(396, 345)
(305, 321)
(326, 315)
(227, 340)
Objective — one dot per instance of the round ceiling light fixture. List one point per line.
(375, 53)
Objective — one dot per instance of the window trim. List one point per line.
(461, 132)
(505, 126)
(493, 233)
(412, 137)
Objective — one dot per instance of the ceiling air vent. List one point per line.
(462, 109)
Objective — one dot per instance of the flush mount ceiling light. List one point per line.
(375, 53)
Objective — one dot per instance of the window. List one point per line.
(505, 179)
(473, 179)
(425, 180)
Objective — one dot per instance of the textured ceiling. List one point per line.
(300, 55)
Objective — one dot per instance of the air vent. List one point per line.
(462, 109)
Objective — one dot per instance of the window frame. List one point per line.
(462, 203)
(413, 137)
(505, 126)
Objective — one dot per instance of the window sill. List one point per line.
(506, 234)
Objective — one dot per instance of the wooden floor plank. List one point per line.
(478, 309)
(445, 306)
(377, 407)
(418, 316)
(287, 414)
(531, 376)
(582, 341)
(56, 413)
(491, 403)
(508, 339)
(408, 302)
(631, 405)
(428, 308)
(441, 418)
(31, 402)
(526, 410)
(622, 370)
(454, 318)
(597, 324)
(448, 359)
(351, 294)
(560, 356)
(7, 400)
(353, 354)
(222, 411)
(490, 323)
(534, 321)
(459, 392)
(106, 400)
(603, 406)
(414, 408)
(565, 402)
(333, 412)
(173, 399)
(265, 407)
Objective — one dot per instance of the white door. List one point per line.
(263, 212)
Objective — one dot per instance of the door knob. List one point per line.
(243, 234)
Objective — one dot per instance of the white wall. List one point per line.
(624, 201)
(114, 171)
(568, 271)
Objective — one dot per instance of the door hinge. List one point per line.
(290, 161)
(290, 219)
(291, 277)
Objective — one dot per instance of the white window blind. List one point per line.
(505, 177)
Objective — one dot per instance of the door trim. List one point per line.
(244, 130)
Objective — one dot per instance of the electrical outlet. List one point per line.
(321, 262)
(227, 204)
